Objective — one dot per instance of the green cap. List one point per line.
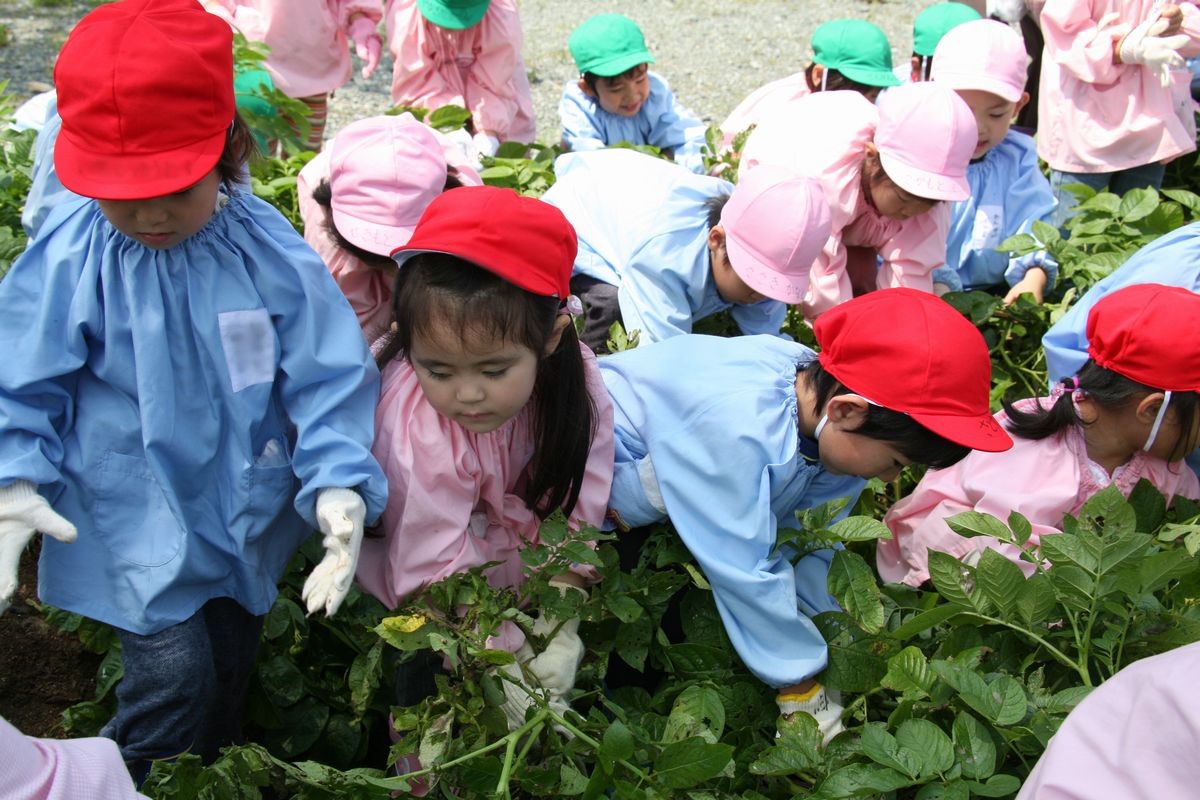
(856, 49)
(453, 14)
(608, 44)
(934, 22)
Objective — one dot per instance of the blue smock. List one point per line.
(1172, 260)
(643, 227)
(661, 122)
(181, 407)
(46, 192)
(707, 434)
(1008, 192)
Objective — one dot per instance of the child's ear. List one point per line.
(915, 69)
(814, 76)
(587, 90)
(716, 238)
(1147, 407)
(560, 324)
(848, 409)
(1024, 101)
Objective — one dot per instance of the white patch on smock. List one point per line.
(989, 222)
(249, 343)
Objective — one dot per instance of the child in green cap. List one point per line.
(618, 99)
(850, 54)
(928, 29)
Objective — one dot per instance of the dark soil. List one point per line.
(42, 671)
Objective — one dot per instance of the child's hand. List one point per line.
(367, 43)
(1033, 283)
(1172, 15)
(23, 512)
(340, 515)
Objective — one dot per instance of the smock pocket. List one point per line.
(269, 491)
(131, 515)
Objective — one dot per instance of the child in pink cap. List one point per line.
(1114, 101)
(361, 198)
(984, 62)
(660, 247)
(309, 58)
(465, 53)
(54, 769)
(886, 171)
(1132, 413)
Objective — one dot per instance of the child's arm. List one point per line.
(654, 299)
(1027, 197)
(577, 113)
(491, 91)
(674, 127)
(912, 253)
(423, 75)
(1083, 45)
(766, 316)
(360, 20)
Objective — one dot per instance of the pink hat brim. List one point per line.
(763, 279)
(924, 183)
(372, 236)
(982, 83)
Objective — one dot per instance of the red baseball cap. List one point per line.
(910, 351)
(145, 92)
(523, 240)
(1149, 333)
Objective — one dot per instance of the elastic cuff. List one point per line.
(17, 491)
(800, 697)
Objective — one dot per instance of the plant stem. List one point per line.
(1059, 655)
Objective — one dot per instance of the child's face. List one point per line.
(993, 116)
(622, 94)
(162, 222)
(844, 452)
(474, 380)
(893, 202)
(729, 284)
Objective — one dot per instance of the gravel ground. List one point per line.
(713, 52)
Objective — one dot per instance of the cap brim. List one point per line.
(135, 176)
(617, 65)
(371, 236)
(982, 83)
(453, 18)
(870, 77)
(762, 278)
(923, 183)
(978, 433)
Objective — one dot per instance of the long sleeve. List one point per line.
(492, 92)
(577, 113)
(672, 126)
(654, 297)
(62, 769)
(765, 316)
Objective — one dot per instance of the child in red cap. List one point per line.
(1131, 414)
(742, 433)
(492, 414)
(186, 394)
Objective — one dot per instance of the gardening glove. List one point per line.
(485, 144)
(1144, 45)
(340, 515)
(367, 44)
(22, 512)
(824, 705)
(554, 668)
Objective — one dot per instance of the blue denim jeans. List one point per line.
(1119, 182)
(184, 688)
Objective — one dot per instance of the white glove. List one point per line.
(340, 514)
(485, 144)
(823, 705)
(22, 512)
(1144, 45)
(367, 43)
(554, 668)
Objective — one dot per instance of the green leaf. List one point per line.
(1072, 586)
(1070, 549)
(684, 764)
(616, 745)
(1036, 601)
(798, 748)
(1020, 527)
(633, 641)
(570, 780)
(1045, 233)
(1137, 203)
(1107, 512)
(908, 672)
(479, 775)
(365, 673)
(974, 746)
(976, 523)
(623, 607)
(860, 780)
(1000, 580)
(929, 743)
(448, 118)
(697, 711)
(925, 620)
(996, 786)
(853, 583)
(1002, 701)
(946, 573)
(282, 682)
(859, 529)
(954, 790)
(1064, 701)
(883, 748)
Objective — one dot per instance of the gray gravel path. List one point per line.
(713, 52)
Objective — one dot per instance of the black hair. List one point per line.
(1107, 389)
(590, 78)
(437, 289)
(239, 148)
(835, 81)
(916, 442)
(322, 195)
(714, 206)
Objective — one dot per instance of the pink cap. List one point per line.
(985, 55)
(383, 172)
(776, 223)
(926, 137)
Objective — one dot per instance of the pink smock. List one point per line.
(479, 68)
(1097, 116)
(453, 498)
(310, 53)
(1134, 738)
(368, 288)
(761, 102)
(823, 136)
(1043, 479)
(61, 769)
